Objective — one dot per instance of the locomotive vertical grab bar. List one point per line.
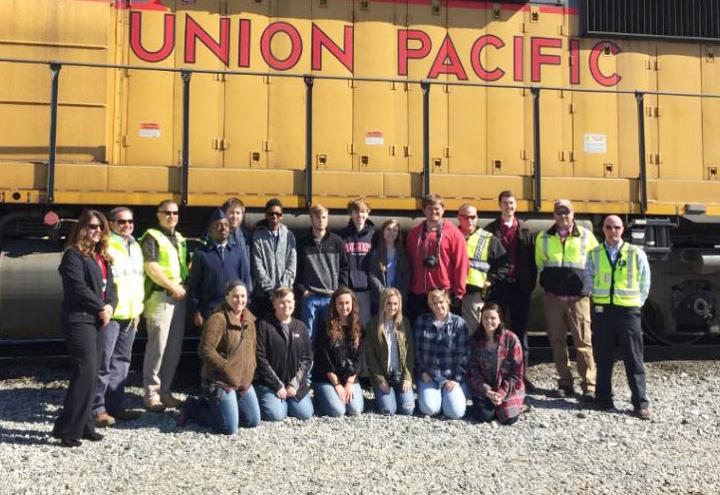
(425, 85)
(537, 174)
(640, 99)
(185, 168)
(55, 78)
(309, 81)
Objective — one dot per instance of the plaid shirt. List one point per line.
(442, 352)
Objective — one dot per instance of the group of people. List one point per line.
(285, 320)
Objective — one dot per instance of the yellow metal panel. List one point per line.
(143, 179)
(71, 177)
(207, 102)
(597, 189)
(710, 63)
(429, 18)
(467, 107)
(507, 152)
(287, 96)
(688, 191)
(635, 63)
(680, 118)
(353, 184)
(332, 100)
(402, 185)
(246, 97)
(240, 182)
(14, 176)
(380, 124)
(476, 187)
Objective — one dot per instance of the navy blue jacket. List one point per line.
(357, 250)
(210, 274)
(240, 237)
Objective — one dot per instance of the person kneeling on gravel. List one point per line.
(227, 350)
(495, 372)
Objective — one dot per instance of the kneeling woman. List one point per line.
(227, 350)
(284, 358)
(441, 358)
(389, 356)
(495, 372)
(337, 356)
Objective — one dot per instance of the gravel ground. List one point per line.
(557, 447)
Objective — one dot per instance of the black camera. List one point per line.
(395, 378)
(430, 261)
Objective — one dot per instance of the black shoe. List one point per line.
(70, 442)
(603, 405)
(587, 398)
(93, 436)
(564, 392)
(530, 388)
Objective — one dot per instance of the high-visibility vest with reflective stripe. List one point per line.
(478, 247)
(619, 284)
(172, 261)
(129, 277)
(570, 254)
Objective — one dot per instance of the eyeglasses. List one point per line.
(562, 212)
(123, 221)
(277, 214)
(171, 213)
(613, 227)
(469, 217)
(93, 226)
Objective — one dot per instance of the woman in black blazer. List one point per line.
(89, 297)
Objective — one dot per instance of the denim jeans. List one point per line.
(225, 412)
(394, 400)
(311, 307)
(329, 404)
(116, 342)
(273, 408)
(432, 399)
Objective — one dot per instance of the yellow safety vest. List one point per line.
(173, 262)
(551, 252)
(129, 277)
(619, 284)
(478, 247)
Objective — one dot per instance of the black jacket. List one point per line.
(280, 364)
(321, 267)
(378, 277)
(526, 272)
(82, 288)
(341, 358)
(357, 249)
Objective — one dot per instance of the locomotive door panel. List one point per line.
(286, 54)
(380, 123)
(467, 107)
(246, 97)
(506, 149)
(710, 64)
(594, 117)
(427, 21)
(51, 30)
(332, 100)
(546, 54)
(207, 96)
(635, 63)
(150, 102)
(680, 133)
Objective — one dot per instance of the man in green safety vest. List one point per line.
(620, 275)
(166, 271)
(116, 339)
(488, 264)
(561, 255)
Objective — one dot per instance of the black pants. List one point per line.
(83, 345)
(613, 326)
(484, 411)
(515, 302)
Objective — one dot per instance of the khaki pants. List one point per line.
(165, 321)
(472, 305)
(562, 316)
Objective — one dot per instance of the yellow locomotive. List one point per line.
(108, 102)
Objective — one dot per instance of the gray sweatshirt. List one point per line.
(273, 262)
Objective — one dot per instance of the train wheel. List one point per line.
(653, 326)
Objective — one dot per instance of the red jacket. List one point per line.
(453, 267)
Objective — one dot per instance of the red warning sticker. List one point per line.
(149, 130)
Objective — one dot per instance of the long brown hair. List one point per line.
(334, 327)
(382, 246)
(79, 239)
(499, 330)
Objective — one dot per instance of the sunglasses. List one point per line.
(562, 212)
(274, 214)
(613, 227)
(93, 226)
(123, 221)
(469, 217)
(171, 213)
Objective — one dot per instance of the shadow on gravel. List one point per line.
(24, 437)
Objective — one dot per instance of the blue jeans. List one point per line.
(394, 400)
(225, 411)
(273, 408)
(432, 398)
(311, 307)
(329, 404)
(116, 342)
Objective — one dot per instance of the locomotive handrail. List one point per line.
(308, 79)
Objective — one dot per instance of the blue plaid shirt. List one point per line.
(442, 350)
